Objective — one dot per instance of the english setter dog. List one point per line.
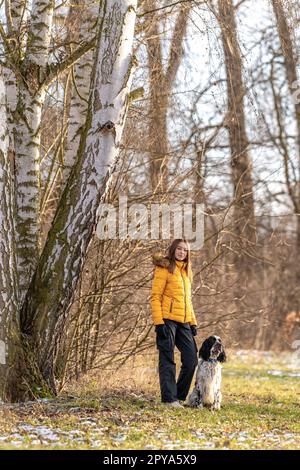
(207, 390)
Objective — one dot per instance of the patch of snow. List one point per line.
(283, 373)
(96, 443)
(88, 423)
(119, 438)
(198, 434)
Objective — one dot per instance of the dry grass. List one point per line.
(122, 410)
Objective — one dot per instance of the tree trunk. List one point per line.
(26, 76)
(290, 63)
(39, 34)
(27, 164)
(27, 116)
(244, 219)
(16, 14)
(9, 324)
(81, 77)
(18, 379)
(243, 228)
(54, 282)
(161, 83)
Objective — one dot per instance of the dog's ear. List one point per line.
(222, 356)
(204, 352)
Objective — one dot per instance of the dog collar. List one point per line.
(211, 360)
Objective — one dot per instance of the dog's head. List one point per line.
(212, 348)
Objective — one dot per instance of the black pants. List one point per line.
(179, 334)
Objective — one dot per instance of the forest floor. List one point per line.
(122, 410)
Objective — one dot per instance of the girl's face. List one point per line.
(181, 251)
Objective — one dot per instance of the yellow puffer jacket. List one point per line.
(171, 296)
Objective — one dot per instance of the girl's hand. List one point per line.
(161, 330)
(194, 330)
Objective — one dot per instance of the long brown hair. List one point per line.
(171, 256)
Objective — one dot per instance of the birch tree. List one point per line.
(9, 324)
(80, 23)
(27, 123)
(76, 218)
(56, 272)
(81, 76)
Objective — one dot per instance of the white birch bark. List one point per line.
(17, 13)
(27, 124)
(27, 163)
(81, 88)
(39, 34)
(9, 326)
(54, 282)
(16, 18)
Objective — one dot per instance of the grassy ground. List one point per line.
(261, 399)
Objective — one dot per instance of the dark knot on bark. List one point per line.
(109, 126)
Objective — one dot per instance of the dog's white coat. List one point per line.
(207, 390)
